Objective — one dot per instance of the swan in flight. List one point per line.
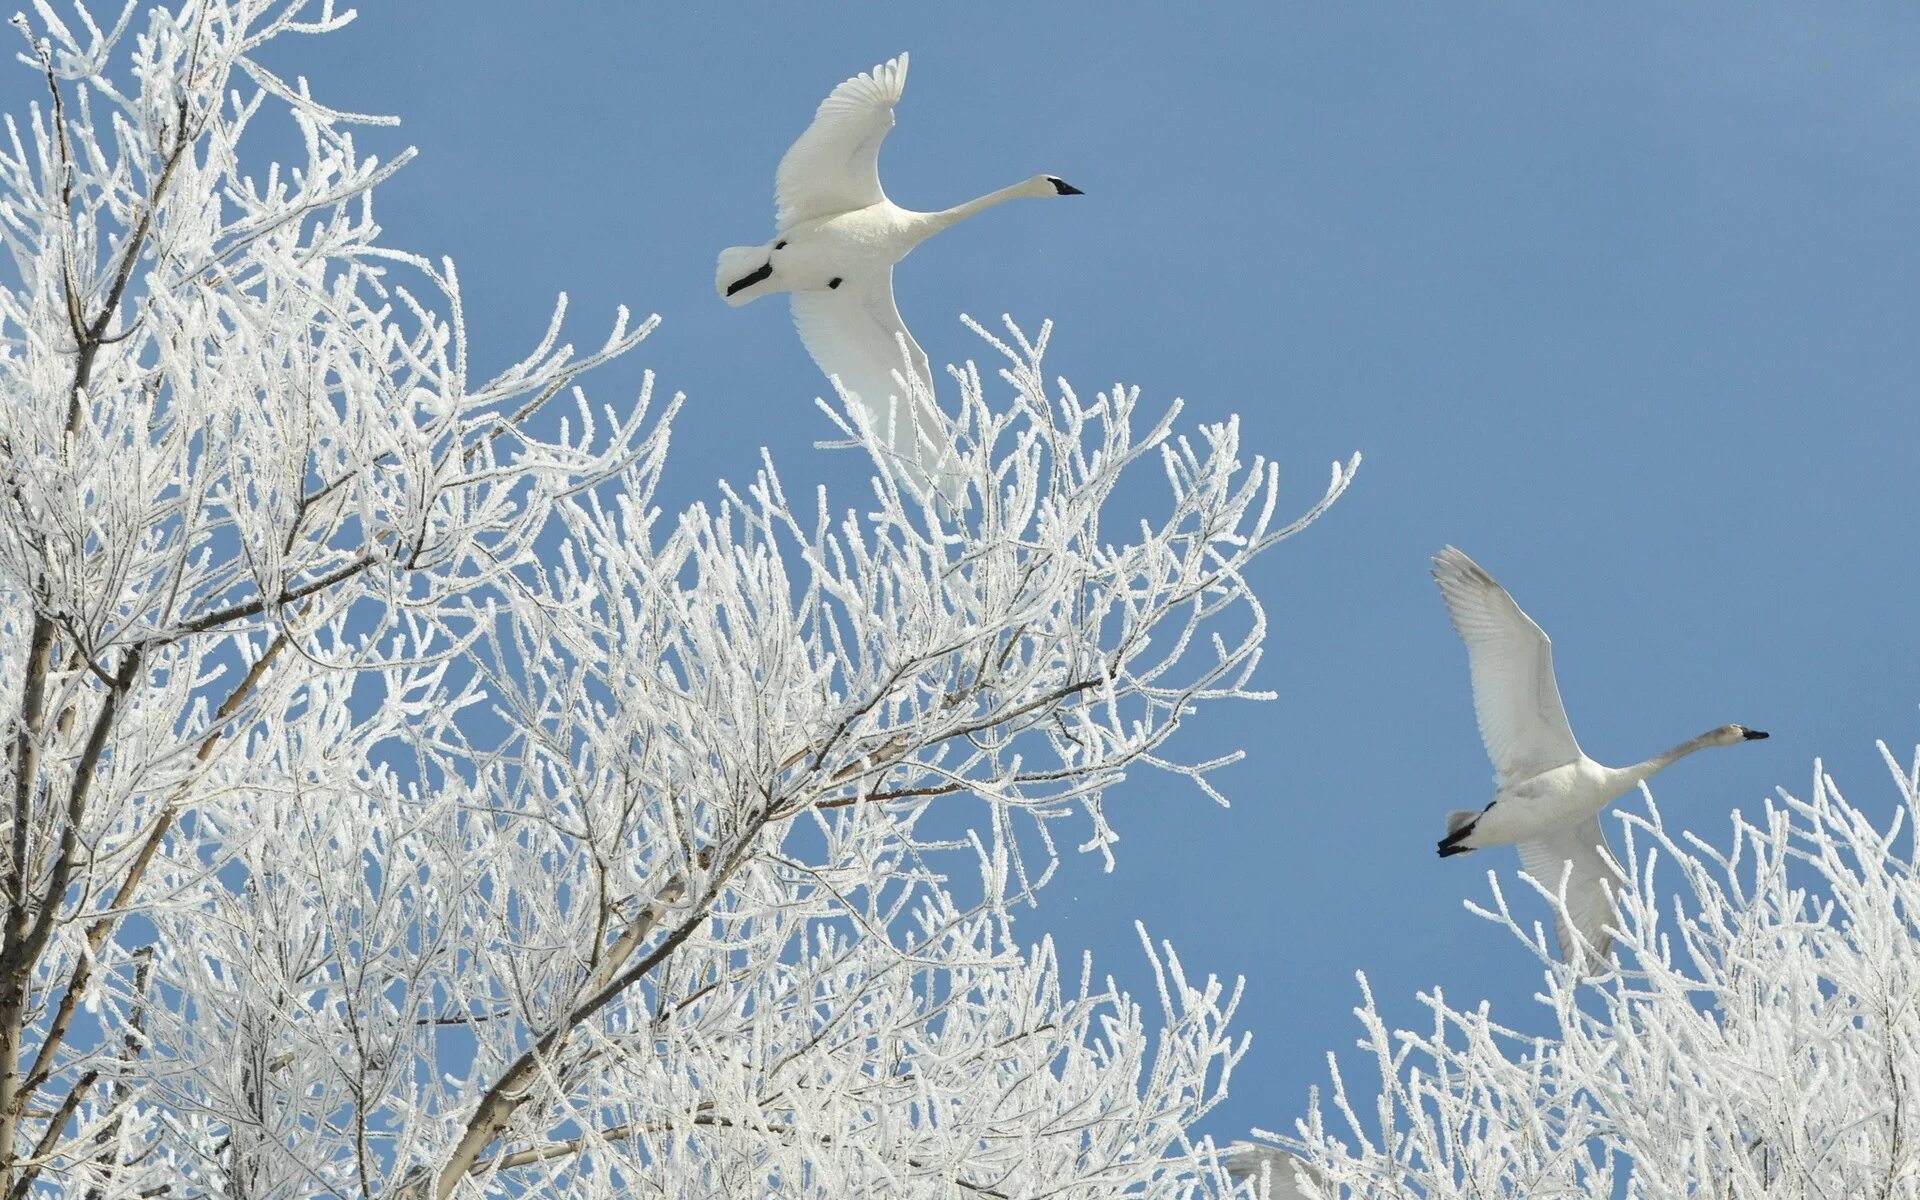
(1547, 793)
(1245, 1160)
(838, 239)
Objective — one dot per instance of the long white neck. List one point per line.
(946, 218)
(1640, 772)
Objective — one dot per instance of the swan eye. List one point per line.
(835, 282)
(779, 245)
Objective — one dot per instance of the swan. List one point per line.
(838, 239)
(1547, 793)
(1246, 1160)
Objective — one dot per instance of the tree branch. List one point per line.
(102, 927)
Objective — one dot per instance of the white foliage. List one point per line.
(398, 801)
(1759, 1036)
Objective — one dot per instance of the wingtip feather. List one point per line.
(1453, 570)
(888, 79)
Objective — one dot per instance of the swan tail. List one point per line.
(1460, 823)
(743, 273)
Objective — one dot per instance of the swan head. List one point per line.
(1728, 735)
(1052, 185)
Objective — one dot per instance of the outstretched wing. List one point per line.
(855, 334)
(834, 167)
(1249, 1160)
(1515, 697)
(1577, 852)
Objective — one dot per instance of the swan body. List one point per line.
(1547, 793)
(839, 238)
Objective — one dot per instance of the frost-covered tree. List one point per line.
(1759, 1035)
(398, 802)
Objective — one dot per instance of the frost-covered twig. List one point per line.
(1760, 1037)
(428, 812)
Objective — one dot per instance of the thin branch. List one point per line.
(102, 927)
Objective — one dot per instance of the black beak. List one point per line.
(1062, 187)
(1755, 735)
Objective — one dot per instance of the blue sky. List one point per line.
(1621, 302)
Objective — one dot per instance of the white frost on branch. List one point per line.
(1760, 1037)
(399, 801)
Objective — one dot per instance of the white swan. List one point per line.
(839, 238)
(1246, 1160)
(1547, 793)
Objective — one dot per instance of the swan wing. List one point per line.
(1515, 697)
(855, 335)
(834, 167)
(1246, 1160)
(1580, 853)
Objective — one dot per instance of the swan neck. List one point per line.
(949, 217)
(1640, 772)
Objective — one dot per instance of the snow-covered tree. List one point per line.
(398, 802)
(1759, 1035)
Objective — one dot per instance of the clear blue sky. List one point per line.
(1620, 301)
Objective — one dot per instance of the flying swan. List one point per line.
(839, 238)
(1547, 793)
